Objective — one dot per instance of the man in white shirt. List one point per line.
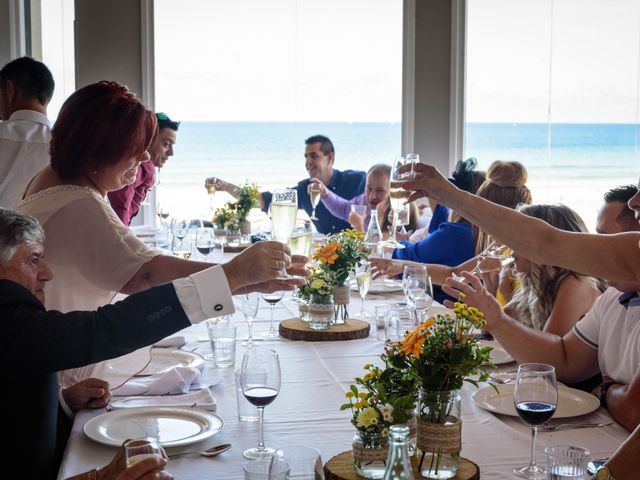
(26, 87)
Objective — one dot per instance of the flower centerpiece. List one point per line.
(441, 353)
(317, 291)
(340, 254)
(247, 196)
(224, 218)
(378, 400)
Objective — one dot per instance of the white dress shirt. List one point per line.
(24, 151)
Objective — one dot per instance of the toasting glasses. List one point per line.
(398, 195)
(260, 381)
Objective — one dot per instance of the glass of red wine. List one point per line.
(260, 382)
(535, 398)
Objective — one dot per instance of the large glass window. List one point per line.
(554, 84)
(251, 80)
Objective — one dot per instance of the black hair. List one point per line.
(165, 122)
(621, 194)
(31, 77)
(325, 144)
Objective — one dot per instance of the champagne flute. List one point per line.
(260, 382)
(205, 241)
(535, 398)
(397, 197)
(300, 244)
(283, 211)
(272, 299)
(363, 279)
(314, 193)
(249, 304)
(210, 185)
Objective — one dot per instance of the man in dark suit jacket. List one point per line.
(56, 341)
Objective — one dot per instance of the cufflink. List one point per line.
(218, 307)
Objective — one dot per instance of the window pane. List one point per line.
(554, 84)
(251, 80)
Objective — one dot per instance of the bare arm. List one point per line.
(623, 402)
(574, 299)
(615, 257)
(623, 463)
(573, 359)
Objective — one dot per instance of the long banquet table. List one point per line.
(315, 376)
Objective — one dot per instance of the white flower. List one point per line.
(387, 412)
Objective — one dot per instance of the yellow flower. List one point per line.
(367, 418)
(327, 254)
(349, 394)
(318, 283)
(362, 395)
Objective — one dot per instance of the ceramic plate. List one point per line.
(164, 359)
(380, 285)
(171, 426)
(498, 355)
(571, 402)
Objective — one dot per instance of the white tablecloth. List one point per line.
(306, 412)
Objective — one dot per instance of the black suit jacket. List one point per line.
(35, 344)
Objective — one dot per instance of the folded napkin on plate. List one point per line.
(176, 341)
(202, 399)
(173, 382)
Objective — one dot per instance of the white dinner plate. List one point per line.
(380, 285)
(164, 359)
(499, 355)
(571, 402)
(170, 425)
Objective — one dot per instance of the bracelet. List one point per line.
(604, 388)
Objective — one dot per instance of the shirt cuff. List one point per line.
(65, 407)
(205, 294)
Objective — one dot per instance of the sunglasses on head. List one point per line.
(162, 116)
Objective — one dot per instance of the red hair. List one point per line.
(100, 124)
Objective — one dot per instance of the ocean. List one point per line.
(569, 163)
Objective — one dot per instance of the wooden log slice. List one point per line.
(296, 329)
(340, 467)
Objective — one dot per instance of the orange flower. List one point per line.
(414, 340)
(327, 254)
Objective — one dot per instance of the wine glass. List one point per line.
(283, 211)
(397, 197)
(314, 193)
(418, 291)
(272, 299)
(182, 247)
(179, 228)
(260, 382)
(210, 185)
(363, 279)
(249, 304)
(535, 398)
(205, 241)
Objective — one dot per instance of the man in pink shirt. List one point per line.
(126, 202)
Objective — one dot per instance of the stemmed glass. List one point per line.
(535, 398)
(418, 290)
(272, 299)
(363, 278)
(314, 193)
(179, 228)
(210, 185)
(397, 197)
(249, 304)
(260, 382)
(205, 241)
(182, 247)
(283, 211)
(300, 244)
(490, 260)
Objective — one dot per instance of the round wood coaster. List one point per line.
(340, 467)
(296, 329)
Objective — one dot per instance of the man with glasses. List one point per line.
(126, 202)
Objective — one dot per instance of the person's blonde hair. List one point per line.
(505, 185)
(533, 301)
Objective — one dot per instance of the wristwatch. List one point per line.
(603, 473)
(603, 388)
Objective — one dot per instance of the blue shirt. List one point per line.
(440, 214)
(450, 244)
(347, 184)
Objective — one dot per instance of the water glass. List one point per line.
(246, 411)
(361, 210)
(404, 320)
(223, 344)
(304, 463)
(266, 469)
(566, 462)
(138, 450)
(381, 313)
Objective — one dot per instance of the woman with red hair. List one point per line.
(99, 140)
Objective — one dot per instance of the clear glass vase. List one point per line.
(303, 310)
(320, 311)
(341, 297)
(370, 450)
(439, 433)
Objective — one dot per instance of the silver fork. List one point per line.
(568, 426)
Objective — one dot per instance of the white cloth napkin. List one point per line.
(176, 341)
(173, 382)
(202, 398)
